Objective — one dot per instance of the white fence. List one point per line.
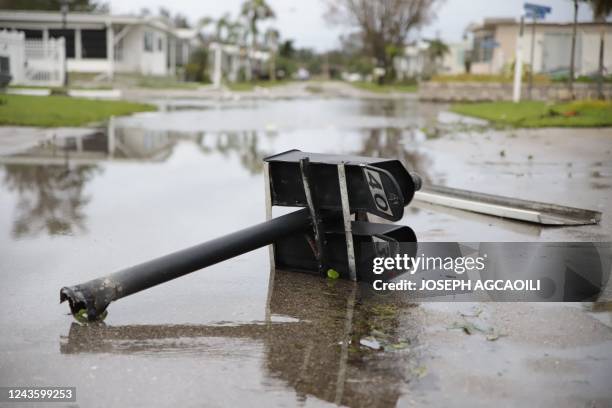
(33, 62)
(45, 61)
(12, 46)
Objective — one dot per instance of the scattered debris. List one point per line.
(431, 133)
(81, 316)
(420, 371)
(470, 328)
(476, 313)
(397, 346)
(494, 336)
(385, 311)
(379, 334)
(332, 274)
(370, 342)
(467, 327)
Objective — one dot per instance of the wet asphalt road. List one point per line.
(237, 333)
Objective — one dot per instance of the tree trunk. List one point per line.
(272, 66)
(570, 81)
(249, 69)
(600, 71)
(248, 74)
(390, 74)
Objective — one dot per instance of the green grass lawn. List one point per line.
(386, 88)
(541, 114)
(249, 86)
(52, 111)
(79, 87)
(153, 82)
(494, 78)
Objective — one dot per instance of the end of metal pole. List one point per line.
(89, 300)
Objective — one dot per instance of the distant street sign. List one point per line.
(536, 11)
(534, 15)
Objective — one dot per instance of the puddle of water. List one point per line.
(80, 207)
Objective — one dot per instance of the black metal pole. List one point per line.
(95, 296)
(570, 80)
(600, 67)
(531, 58)
(64, 10)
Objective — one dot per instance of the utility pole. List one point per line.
(531, 62)
(534, 11)
(518, 64)
(64, 11)
(602, 34)
(570, 80)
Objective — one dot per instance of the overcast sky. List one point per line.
(304, 21)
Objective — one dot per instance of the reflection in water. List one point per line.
(50, 178)
(318, 353)
(51, 198)
(416, 114)
(244, 144)
(391, 143)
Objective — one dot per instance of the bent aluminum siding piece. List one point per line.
(506, 207)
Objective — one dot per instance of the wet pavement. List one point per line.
(74, 208)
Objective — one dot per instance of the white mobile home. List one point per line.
(495, 41)
(104, 43)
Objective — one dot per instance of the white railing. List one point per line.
(33, 62)
(45, 62)
(11, 46)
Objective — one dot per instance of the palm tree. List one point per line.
(601, 10)
(271, 40)
(437, 50)
(255, 11)
(203, 23)
(228, 31)
(235, 31)
(221, 27)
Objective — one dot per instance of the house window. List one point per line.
(69, 38)
(93, 43)
(5, 67)
(160, 44)
(33, 34)
(148, 41)
(483, 47)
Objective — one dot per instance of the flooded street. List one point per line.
(77, 205)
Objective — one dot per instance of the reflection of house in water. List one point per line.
(50, 178)
(317, 353)
(123, 144)
(141, 144)
(244, 144)
(391, 142)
